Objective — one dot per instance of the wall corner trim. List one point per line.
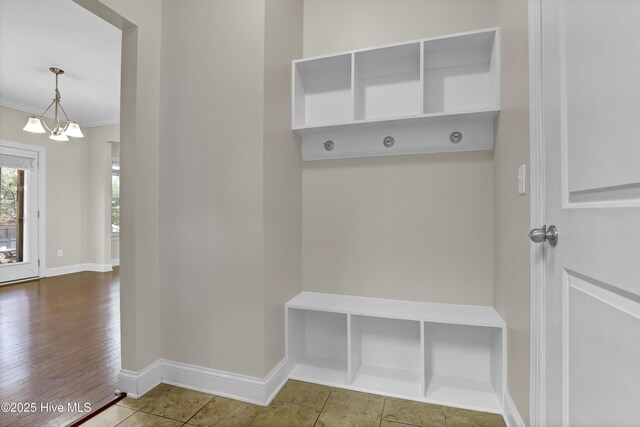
(511, 414)
(136, 384)
(260, 391)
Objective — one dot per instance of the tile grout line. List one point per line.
(384, 404)
(258, 413)
(322, 409)
(196, 413)
(134, 412)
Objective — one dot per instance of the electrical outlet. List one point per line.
(60, 253)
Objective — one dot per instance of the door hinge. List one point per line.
(38, 263)
(38, 214)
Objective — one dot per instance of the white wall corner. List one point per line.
(235, 386)
(511, 414)
(136, 384)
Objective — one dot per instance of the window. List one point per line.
(115, 198)
(11, 213)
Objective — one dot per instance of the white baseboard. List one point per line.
(102, 268)
(115, 262)
(67, 269)
(76, 268)
(511, 414)
(136, 384)
(245, 388)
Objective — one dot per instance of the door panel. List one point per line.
(591, 111)
(599, 63)
(601, 355)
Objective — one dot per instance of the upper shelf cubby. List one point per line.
(460, 73)
(420, 93)
(322, 91)
(388, 83)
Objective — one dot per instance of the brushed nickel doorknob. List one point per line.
(539, 235)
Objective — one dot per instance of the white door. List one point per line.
(18, 214)
(591, 133)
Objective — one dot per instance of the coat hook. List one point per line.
(455, 137)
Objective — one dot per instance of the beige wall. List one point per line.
(77, 190)
(332, 26)
(282, 173)
(211, 204)
(512, 266)
(231, 200)
(412, 227)
(98, 205)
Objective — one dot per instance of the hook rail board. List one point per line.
(432, 95)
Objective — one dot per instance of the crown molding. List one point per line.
(30, 109)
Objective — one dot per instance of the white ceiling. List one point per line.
(38, 34)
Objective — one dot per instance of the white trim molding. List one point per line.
(102, 268)
(76, 268)
(115, 262)
(67, 269)
(260, 391)
(136, 384)
(511, 415)
(537, 213)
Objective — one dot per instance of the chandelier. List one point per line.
(61, 129)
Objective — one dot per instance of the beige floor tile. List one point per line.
(415, 413)
(286, 415)
(110, 417)
(464, 418)
(144, 400)
(141, 419)
(336, 419)
(303, 394)
(177, 403)
(225, 412)
(355, 403)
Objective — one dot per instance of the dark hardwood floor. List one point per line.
(59, 345)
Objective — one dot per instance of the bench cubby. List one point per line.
(445, 354)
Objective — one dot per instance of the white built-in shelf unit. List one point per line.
(419, 93)
(445, 354)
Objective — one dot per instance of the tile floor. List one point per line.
(297, 404)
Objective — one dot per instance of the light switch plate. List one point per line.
(522, 179)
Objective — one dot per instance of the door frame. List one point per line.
(537, 214)
(41, 166)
